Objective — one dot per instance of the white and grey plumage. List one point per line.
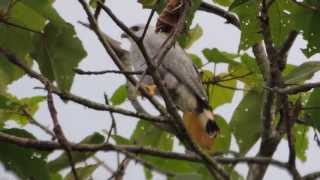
(178, 74)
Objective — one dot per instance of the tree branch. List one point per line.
(232, 19)
(69, 96)
(59, 132)
(298, 88)
(83, 72)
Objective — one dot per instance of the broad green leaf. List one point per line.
(302, 73)
(243, 72)
(196, 60)
(237, 3)
(45, 8)
(148, 135)
(150, 3)
(245, 122)
(220, 93)
(216, 56)
(12, 108)
(9, 36)
(223, 2)
(148, 173)
(301, 141)
(83, 172)
(307, 22)
(191, 12)
(223, 140)
(250, 63)
(121, 140)
(247, 12)
(55, 176)
(187, 177)
(58, 52)
(62, 161)
(120, 95)
(23, 162)
(313, 113)
(187, 39)
(25, 16)
(281, 21)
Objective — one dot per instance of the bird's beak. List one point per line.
(124, 35)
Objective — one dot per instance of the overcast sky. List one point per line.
(78, 122)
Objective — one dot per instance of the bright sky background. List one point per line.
(78, 121)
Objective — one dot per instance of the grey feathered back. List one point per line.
(176, 67)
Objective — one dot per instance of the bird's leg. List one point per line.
(150, 88)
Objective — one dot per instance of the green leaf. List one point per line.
(23, 162)
(58, 52)
(83, 172)
(149, 4)
(187, 39)
(191, 12)
(25, 16)
(148, 173)
(313, 114)
(12, 108)
(145, 134)
(222, 92)
(301, 141)
(302, 73)
(196, 60)
(120, 95)
(216, 56)
(245, 122)
(223, 2)
(62, 161)
(307, 22)
(243, 73)
(45, 8)
(18, 42)
(223, 141)
(148, 135)
(281, 21)
(55, 176)
(121, 140)
(187, 177)
(247, 12)
(237, 3)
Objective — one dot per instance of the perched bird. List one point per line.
(181, 78)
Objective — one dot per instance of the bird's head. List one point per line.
(136, 30)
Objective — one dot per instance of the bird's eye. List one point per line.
(135, 28)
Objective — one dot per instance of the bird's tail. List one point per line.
(201, 127)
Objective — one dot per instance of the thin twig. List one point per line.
(82, 72)
(59, 132)
(97, 11)
(232, 19)
(77, 99)
(36, 123)
(149, 20)
(298, 88)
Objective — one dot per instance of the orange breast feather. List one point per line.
(196, 131)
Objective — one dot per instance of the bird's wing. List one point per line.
(178, 63)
